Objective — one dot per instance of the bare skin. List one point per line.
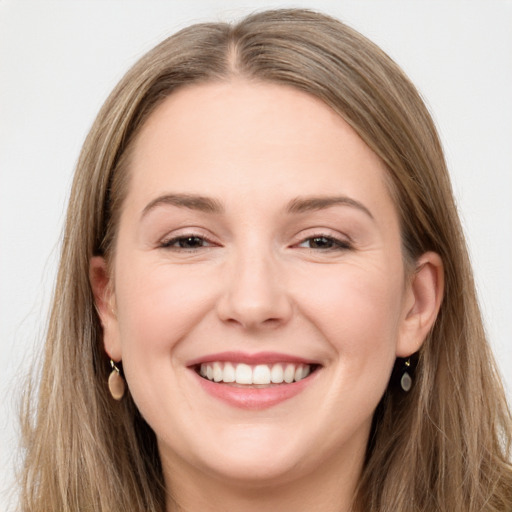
(258, 225)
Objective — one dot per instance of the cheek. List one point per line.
(159, 305)
(358, 311)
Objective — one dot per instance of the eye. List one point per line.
(324, 243)
(186, 243)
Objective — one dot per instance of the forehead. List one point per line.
(244, 138)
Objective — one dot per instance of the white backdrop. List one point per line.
(59, 60)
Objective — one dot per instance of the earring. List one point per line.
(406, 380)
(116, 384)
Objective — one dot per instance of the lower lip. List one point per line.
(254, 398)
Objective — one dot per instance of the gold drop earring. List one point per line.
(116, 383)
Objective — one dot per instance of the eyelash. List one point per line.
(169, 244)
(335, 243)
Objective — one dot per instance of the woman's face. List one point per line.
(260, 295)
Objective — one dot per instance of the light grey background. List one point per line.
(59, 60)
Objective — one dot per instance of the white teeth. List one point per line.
(259, 374)
(243, 374)
(276, 374)
(229, 373)
(289, 373)
(217, 372)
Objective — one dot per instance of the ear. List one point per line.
(423, 299)
(104, 299)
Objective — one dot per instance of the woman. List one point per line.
(264, 300)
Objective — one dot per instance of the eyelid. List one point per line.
(166, 241)
(338, 245)
(169, 244)
(342, 239)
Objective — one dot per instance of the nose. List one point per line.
(255, 294)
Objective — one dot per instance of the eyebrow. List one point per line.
(190, 201)
(306, 204)
(210, 205)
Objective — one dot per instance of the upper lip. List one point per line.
(252, 359)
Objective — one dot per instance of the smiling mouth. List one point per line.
(258, 375)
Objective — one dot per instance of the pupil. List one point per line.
(190, 242)
(321, 242)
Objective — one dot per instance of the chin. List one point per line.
(263, 470)
(247, 455)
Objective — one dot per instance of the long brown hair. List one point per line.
(445, 446)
